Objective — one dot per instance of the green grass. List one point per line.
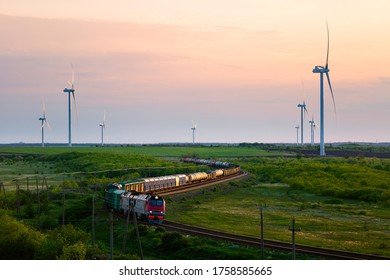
(338, 202)
(352, 226)
(156, 151)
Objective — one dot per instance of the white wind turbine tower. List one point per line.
(324, 70)
(312, 128)
(297, 127)
(303, 110)
(43, 123)
(193, 128)
(70, 92)
(103, 127)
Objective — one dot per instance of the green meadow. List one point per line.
(150, 150)
(339, 203)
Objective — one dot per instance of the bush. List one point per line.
(76, 251)
(173, 241)
(60, 243)
(17, 240)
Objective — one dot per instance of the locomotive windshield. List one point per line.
(156, 202)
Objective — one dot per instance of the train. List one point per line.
(139, 193)
(210, 162)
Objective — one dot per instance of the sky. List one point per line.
(238, 69)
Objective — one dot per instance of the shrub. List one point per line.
(76, 251)
(173, 241)
(17, 240)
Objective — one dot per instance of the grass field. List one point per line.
(323, 206)
(156, 151)
(350, 226)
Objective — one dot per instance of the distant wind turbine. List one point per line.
(103, 126)
(312, 128)
(70, 92)
(297, 127)
(193, 128)
(324, 70)
(43, 123)
(303, 110)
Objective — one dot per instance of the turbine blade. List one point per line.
(71, 66)
(43, 107)
(331, 91)
(327, 49)
(47, 122)
(304, 107)
(75, 106)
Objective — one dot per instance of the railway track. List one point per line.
(202, 184)
(328, 254)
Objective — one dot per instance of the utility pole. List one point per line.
(44, 183)
(262, 232)
(17, 200)
(111, 235)
(293, 230)
(39, 205)
(63, 208)
(93, 221)
(126, 229)
(136, 231)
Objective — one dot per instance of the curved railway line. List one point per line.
(268, 244)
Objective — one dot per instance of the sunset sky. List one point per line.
(237, 68)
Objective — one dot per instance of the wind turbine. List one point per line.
(193, 128)
(303, 110)
(312, 128)
(297, 127)
(43, 123)
(103, 126)
(324, 70)
(70, 92)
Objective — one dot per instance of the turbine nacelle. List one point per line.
(69, 90)
(320, 69)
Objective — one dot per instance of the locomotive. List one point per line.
(148, 207)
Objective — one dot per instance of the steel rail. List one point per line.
(325, 253)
